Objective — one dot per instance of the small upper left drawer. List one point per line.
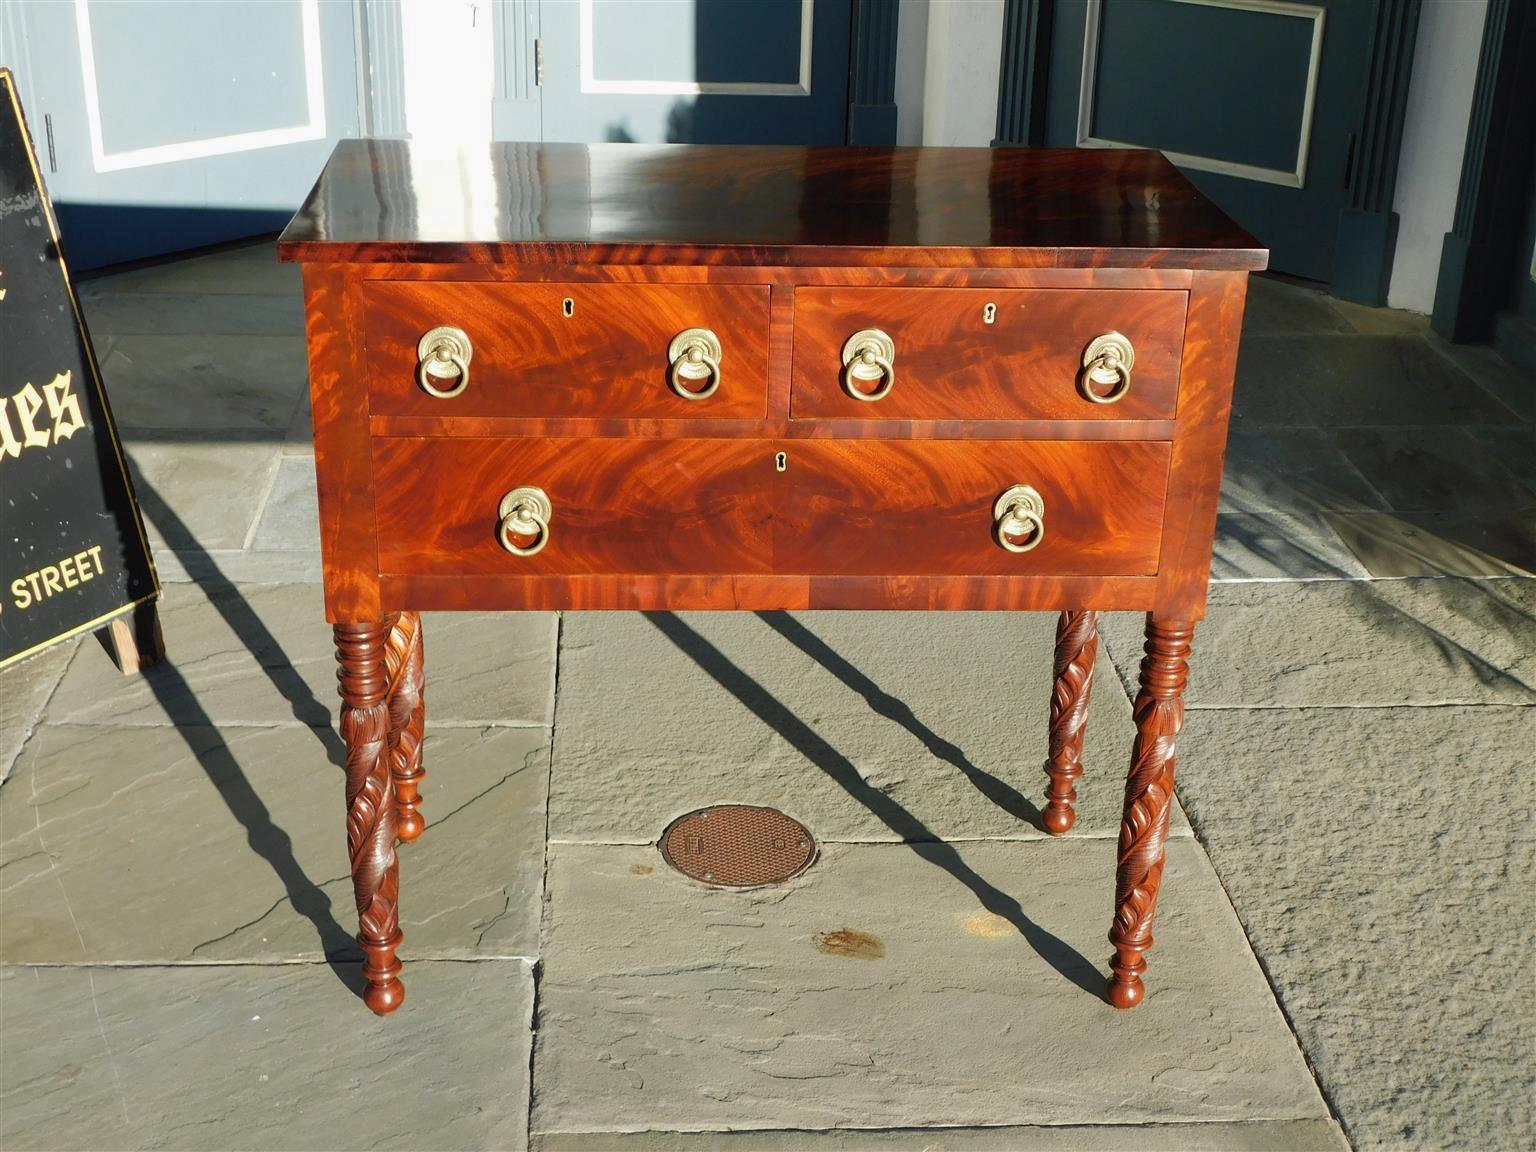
(619, 351)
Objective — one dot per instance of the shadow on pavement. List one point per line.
(1060, 955)
(266, 839)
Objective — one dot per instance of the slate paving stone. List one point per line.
(1513, 447)
(1492, 373)
(976, 1000)
(236, 566)
(1360, 381)
(1290, 471)
(301, 430)
(206, 383)
(862, 725)
(1377, 643)
(1249, 1136)
(1433, 470)
(241, 1057)
(1381, 861)
(155, 845)
(1391, 544)
(194, 314)
(1264, 394)
(24, 688)
(1369, 321)
(201, 496)
(1269, 547)
(290, 521)
(250, 270)
(1277, 306)
(265, 655)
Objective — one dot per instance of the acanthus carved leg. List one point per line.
(1159, 716)
(364, 681)
(407, 720)
(1077, 643)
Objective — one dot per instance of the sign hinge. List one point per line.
(538, 63)
(53, 157)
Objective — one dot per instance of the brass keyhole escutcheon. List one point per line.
(780, 461)
(989, 313)
(568, 306)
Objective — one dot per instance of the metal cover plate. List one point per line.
(738, 846)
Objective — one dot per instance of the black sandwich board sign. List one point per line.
(72, 548)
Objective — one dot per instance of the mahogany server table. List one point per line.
(693, 377)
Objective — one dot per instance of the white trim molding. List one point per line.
(590, 84)
(314, 90)
(1296, 177)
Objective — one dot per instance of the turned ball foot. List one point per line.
(409, 825)
(384, 998)
(1125, 987)
(1126, 991)
(381, 968)
(1058, 818)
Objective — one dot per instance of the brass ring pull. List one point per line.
(1020, 518)
(695, 355)
(1107, 364)
(869, 355)
(524, 512)
(443, 354)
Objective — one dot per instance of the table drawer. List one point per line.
(806, 507)
(565, 350)
(986, 354)
(617, 506)
(912, 507)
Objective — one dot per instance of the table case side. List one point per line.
(1212, 330)
(343, 450)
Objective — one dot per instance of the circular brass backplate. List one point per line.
(738, 846)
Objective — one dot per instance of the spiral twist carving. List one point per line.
(1159, 715)
(403, 662)
(1077, 645)
(364, 684)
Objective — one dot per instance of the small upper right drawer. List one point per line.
(987, 354)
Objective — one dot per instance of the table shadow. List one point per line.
(179, 702)
(1060, 955)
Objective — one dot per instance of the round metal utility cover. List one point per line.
(738, 846)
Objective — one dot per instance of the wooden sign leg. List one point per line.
(136, 640)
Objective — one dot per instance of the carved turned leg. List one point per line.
(1148, 804)
(1077, 643)
(370, 807)
(407, 720)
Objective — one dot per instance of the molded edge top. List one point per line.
(528, 203)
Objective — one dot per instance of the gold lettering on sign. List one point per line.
(22, 432)
(51, 579)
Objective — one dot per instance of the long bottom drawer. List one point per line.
(748, 507)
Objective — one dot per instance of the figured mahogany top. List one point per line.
(397, 200)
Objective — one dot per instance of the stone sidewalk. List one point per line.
(1340, 953)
